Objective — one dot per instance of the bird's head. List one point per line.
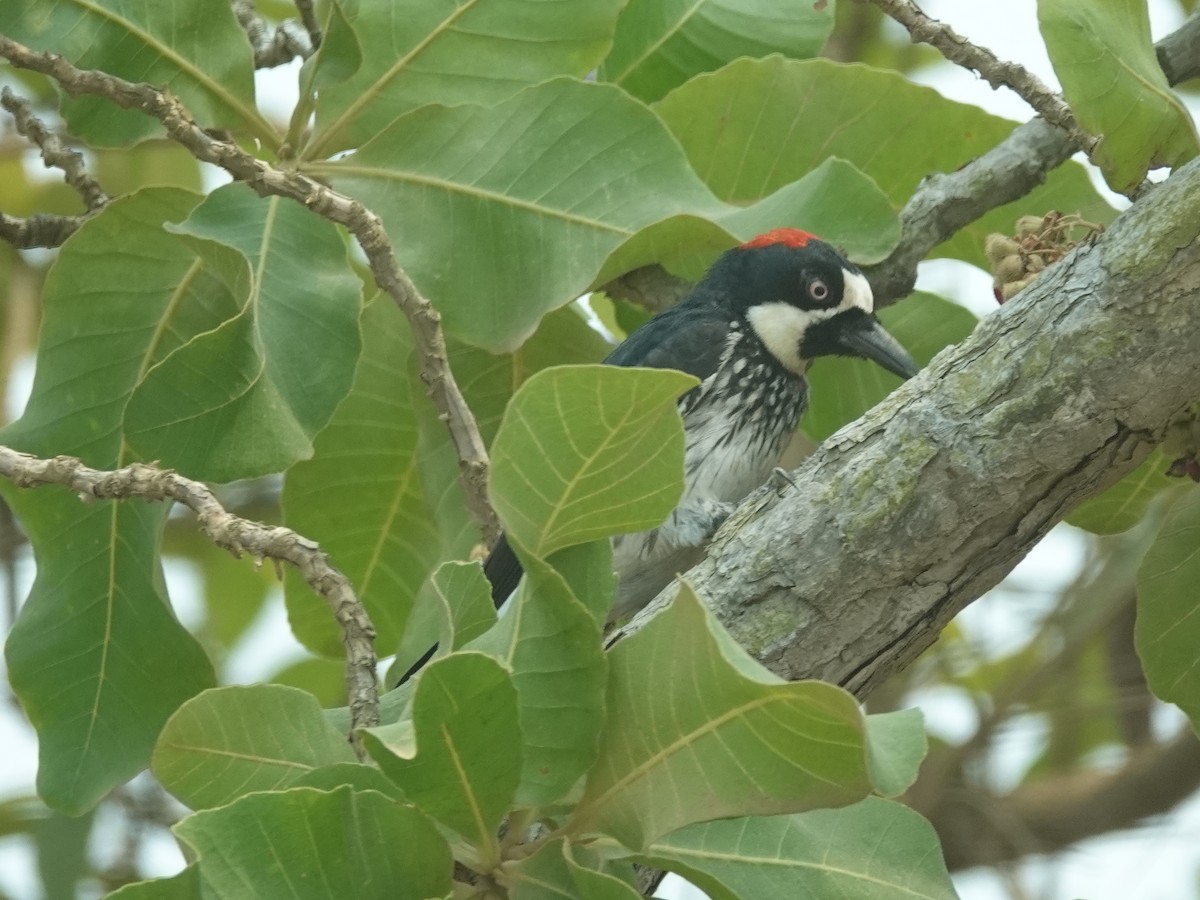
(804, 299)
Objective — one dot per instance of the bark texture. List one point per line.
(902, 518)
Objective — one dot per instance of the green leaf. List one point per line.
(552, 874)
(184, 886)
(835, 198)
(1105, 59)
(453, 608)
(62, 852)
(96, 619)
(660, 45)
(535, 192)
(459, 758)
(586, 452)
(873, 850)
(324, 678)
(843, 389)
(121, 290)
(552, 644)
(361, 497)
(896, 744)
(230, 741)
(305, 843)
(466, 602)
(588, 572)
(1168, 617)
(418, 52)
(744, 745)
(258, 411)
(782, 118)
(1125, 503)
(194, 46)
(359, 776)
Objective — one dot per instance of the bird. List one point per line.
(748, 330)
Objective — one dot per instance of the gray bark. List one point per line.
(907, 515)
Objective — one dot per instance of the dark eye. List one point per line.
(818, 290)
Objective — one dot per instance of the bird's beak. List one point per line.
(862, 335)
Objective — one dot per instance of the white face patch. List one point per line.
(781, 326)
(857, 292)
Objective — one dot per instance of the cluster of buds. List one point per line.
(1039, 241)
(1182, 444)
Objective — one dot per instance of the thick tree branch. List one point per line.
(233, 533)
(904, 517)
(978, 828)
(366, 227)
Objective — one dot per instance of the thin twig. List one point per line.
(997, 72)
(365, 225)
(278, 47)
(233, 533)
(54, 154)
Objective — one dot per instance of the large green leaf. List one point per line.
(835, 198)
(552, 644)
(873, 850)
(843, 389)
(1105, 59)
(662, 43)
(458, 759)
(417, 52)
(306, 843)
(194, 47)
(1168, 618)
(539, 190)
(1122, 506)
(781, 118)
(586, 452)
(361, 497)
(503, 213)
(744, 744)
(121, 292)
(230, 741)
(247, 397)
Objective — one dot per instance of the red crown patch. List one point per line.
(789, 237)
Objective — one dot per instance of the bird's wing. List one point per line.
(688, 338)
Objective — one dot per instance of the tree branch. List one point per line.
(904, 517)
(54, 154)
(996, 72)
(365, 225)
(38, 231)
(978, 828)
(278, 47)
(233, 533)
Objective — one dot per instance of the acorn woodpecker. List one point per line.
(749, 331)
